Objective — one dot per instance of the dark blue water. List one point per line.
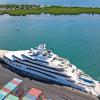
(74, 37)
(92, 3)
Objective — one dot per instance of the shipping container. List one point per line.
(13, 87)
(18, 89)
(6, 90)
(29, 97)
(3, 94)
(11, 97)
(10, 86)
(18, 80)
(35, 92)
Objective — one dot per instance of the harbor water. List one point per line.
(75, 37)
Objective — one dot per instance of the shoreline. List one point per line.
(23, 10)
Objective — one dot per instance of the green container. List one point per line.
(10, 86)
(3, 94)
(11, 97)
(29, 97)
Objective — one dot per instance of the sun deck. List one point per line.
(16, 53)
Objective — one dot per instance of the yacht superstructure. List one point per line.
(44, 64)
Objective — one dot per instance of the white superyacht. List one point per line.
(44, 64)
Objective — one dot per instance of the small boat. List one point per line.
(17, 28)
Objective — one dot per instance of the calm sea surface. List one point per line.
(93, 3)
(75, 37)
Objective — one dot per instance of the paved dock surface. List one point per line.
(56, 92)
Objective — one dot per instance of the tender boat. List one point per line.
(17, 28)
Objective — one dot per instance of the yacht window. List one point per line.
(60, 65)
(70, 65)
(73, 71)
(61, 70)
(19, 66)
(63, 62)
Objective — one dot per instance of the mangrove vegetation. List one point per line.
(17, 10)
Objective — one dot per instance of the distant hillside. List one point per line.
(17, 10)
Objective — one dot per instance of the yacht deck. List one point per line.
(16, 53)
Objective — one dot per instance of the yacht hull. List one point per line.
(40, 76)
